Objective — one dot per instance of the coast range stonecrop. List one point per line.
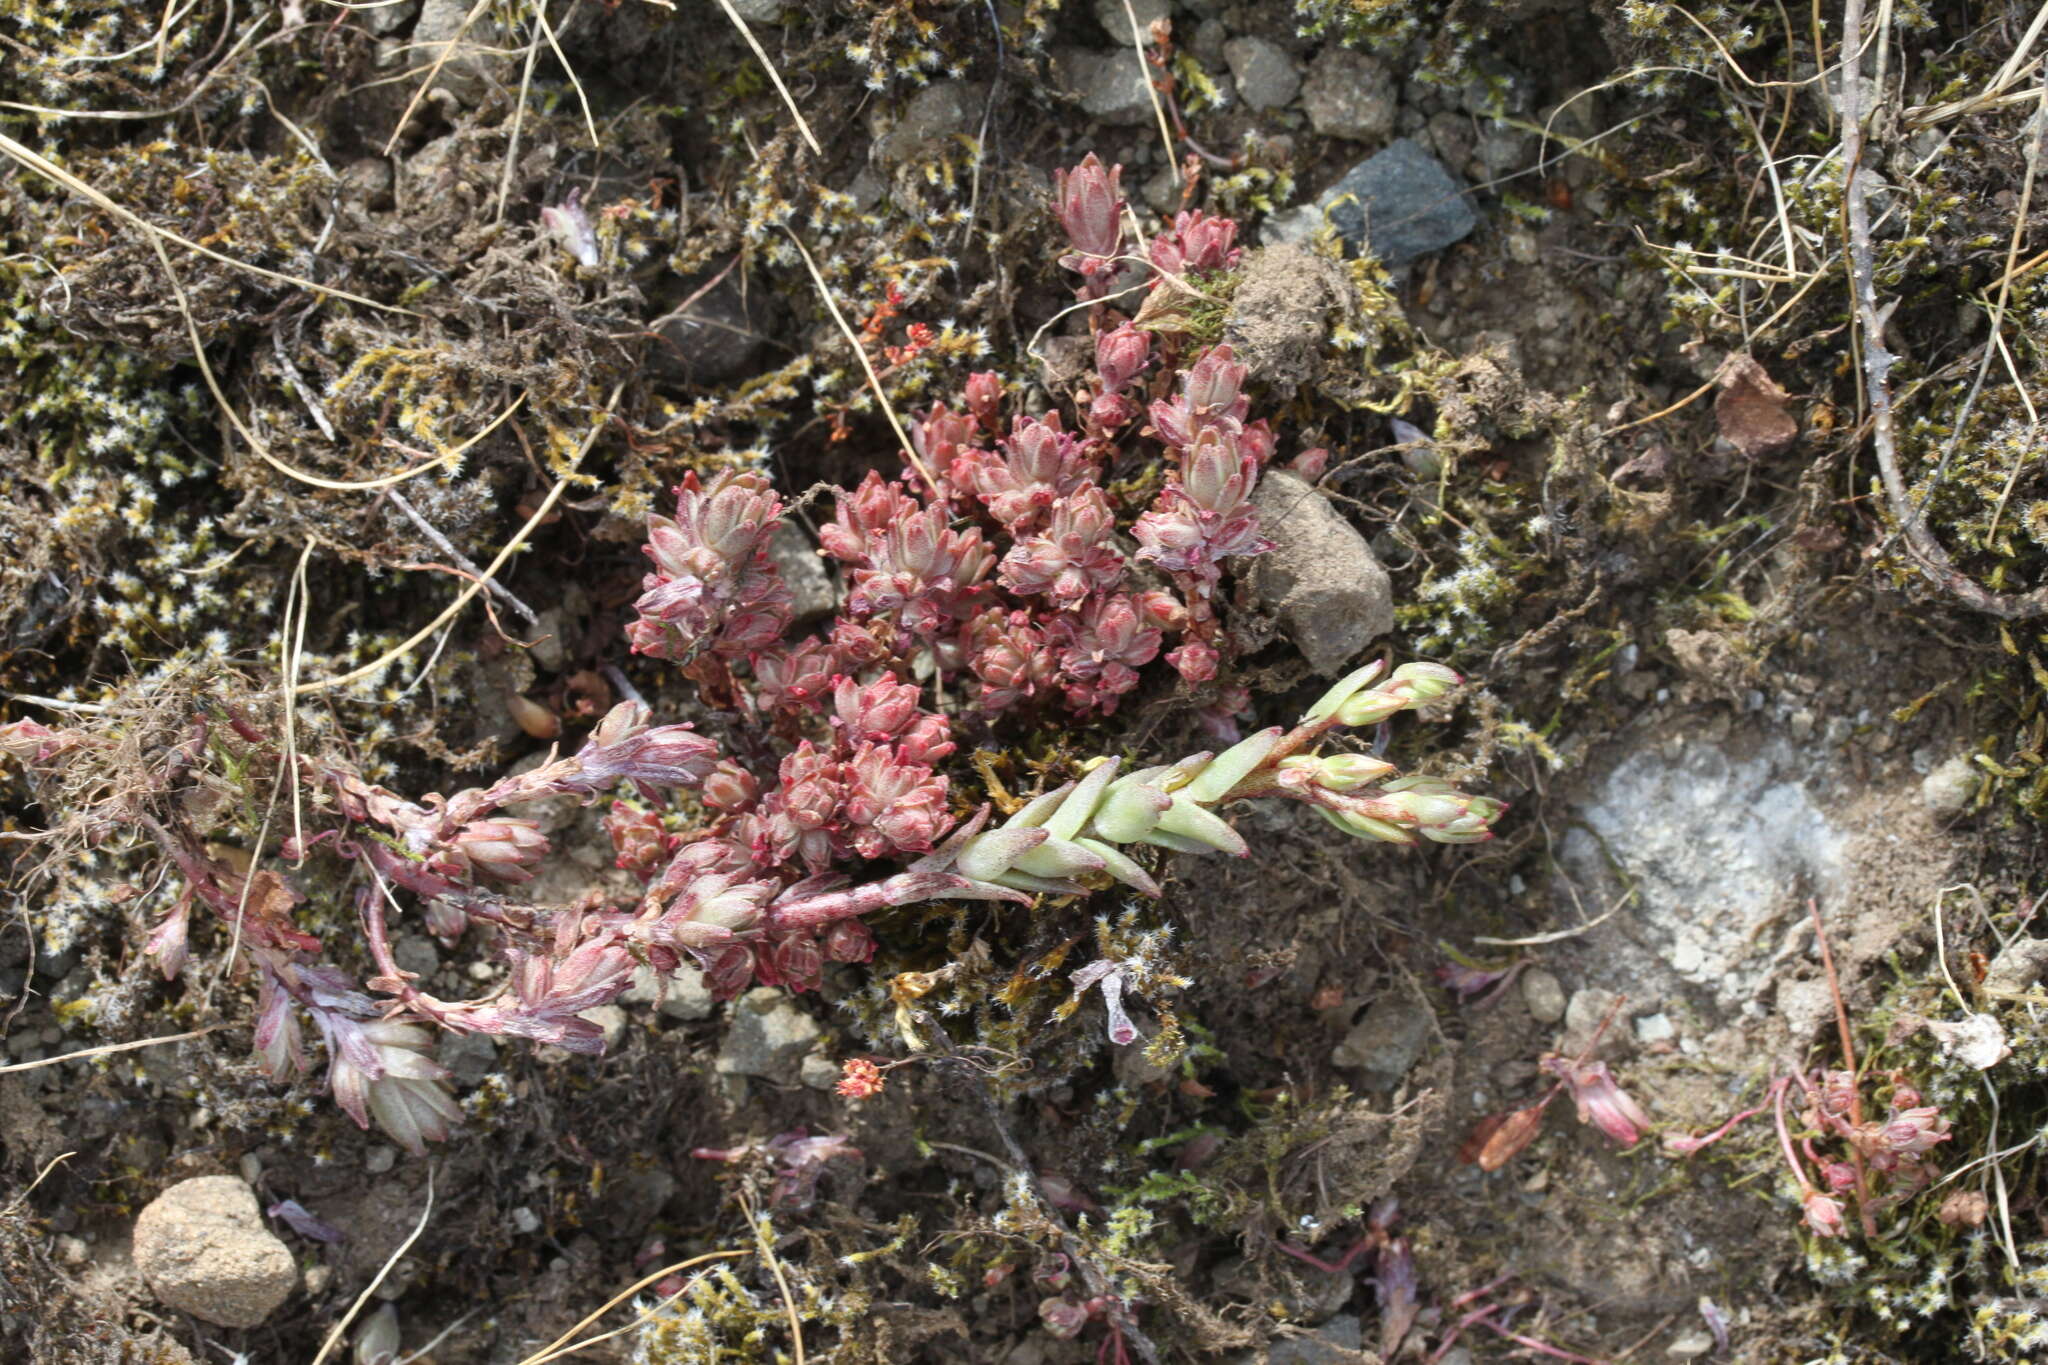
(1004, 576)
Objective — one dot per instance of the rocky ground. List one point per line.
(1564, 292)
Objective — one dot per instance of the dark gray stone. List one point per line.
(1387, 1042)
(469, 1056)
(1400, 204)
(1267, 77)
(1350, 95)
(1111, 86)
(934, 117)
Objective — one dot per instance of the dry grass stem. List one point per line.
(108, 1049)
(761, 55)
(398, 1253)
(1152, 89)
(555, 1349)
(476, 586)
(58, 175)
(867, 365)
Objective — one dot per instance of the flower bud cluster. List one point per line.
(1004, 561)
(377, 1068)
(713, 585)
(867, 790)
(1088, 202)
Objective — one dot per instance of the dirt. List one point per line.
(1697, 673)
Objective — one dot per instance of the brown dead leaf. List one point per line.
(1498, 1139)
(1751, 409)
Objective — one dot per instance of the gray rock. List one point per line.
(682, 992)
(385, 20)
(1116, 21)
(1502, 151)
(2018, 965)
(1267, 77)
(1350, 95)
(1950, 788)
(204, 1250)
(1312, 1299)
(1544, 994)
(1336, 1342)
(935, 115)
(1320, 579)
(611, 1019)
(759, 11)
(1712, 844)
(367, 181)
(1330, 1344)
(1207, 44)
(468, 1056)
(463, 75)
(550, 646)
(714, 343)
(1292, 227)
(1401, 204)
(416, 953)
(1133, 1069)
(1387, 1042)
(1111, 86)
(803, 569)
(1451, 136)
(819, 1072)
(768, 1037)
(1589, 1005)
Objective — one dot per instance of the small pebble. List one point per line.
(1950, 788)
(380, 1159)
(1655, 1028)
(1544, 994)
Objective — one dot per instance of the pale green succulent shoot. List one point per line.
(1075, 831)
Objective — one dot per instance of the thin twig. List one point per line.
(1827, 958)
(1158, 109)
(419, 93)
(553, 1350)
(774, 1263)
(441, 543)
(56, 174)
(53, 1163)
(462, 599)
(1926, 552)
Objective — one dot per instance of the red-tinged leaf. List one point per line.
(1751, 409)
